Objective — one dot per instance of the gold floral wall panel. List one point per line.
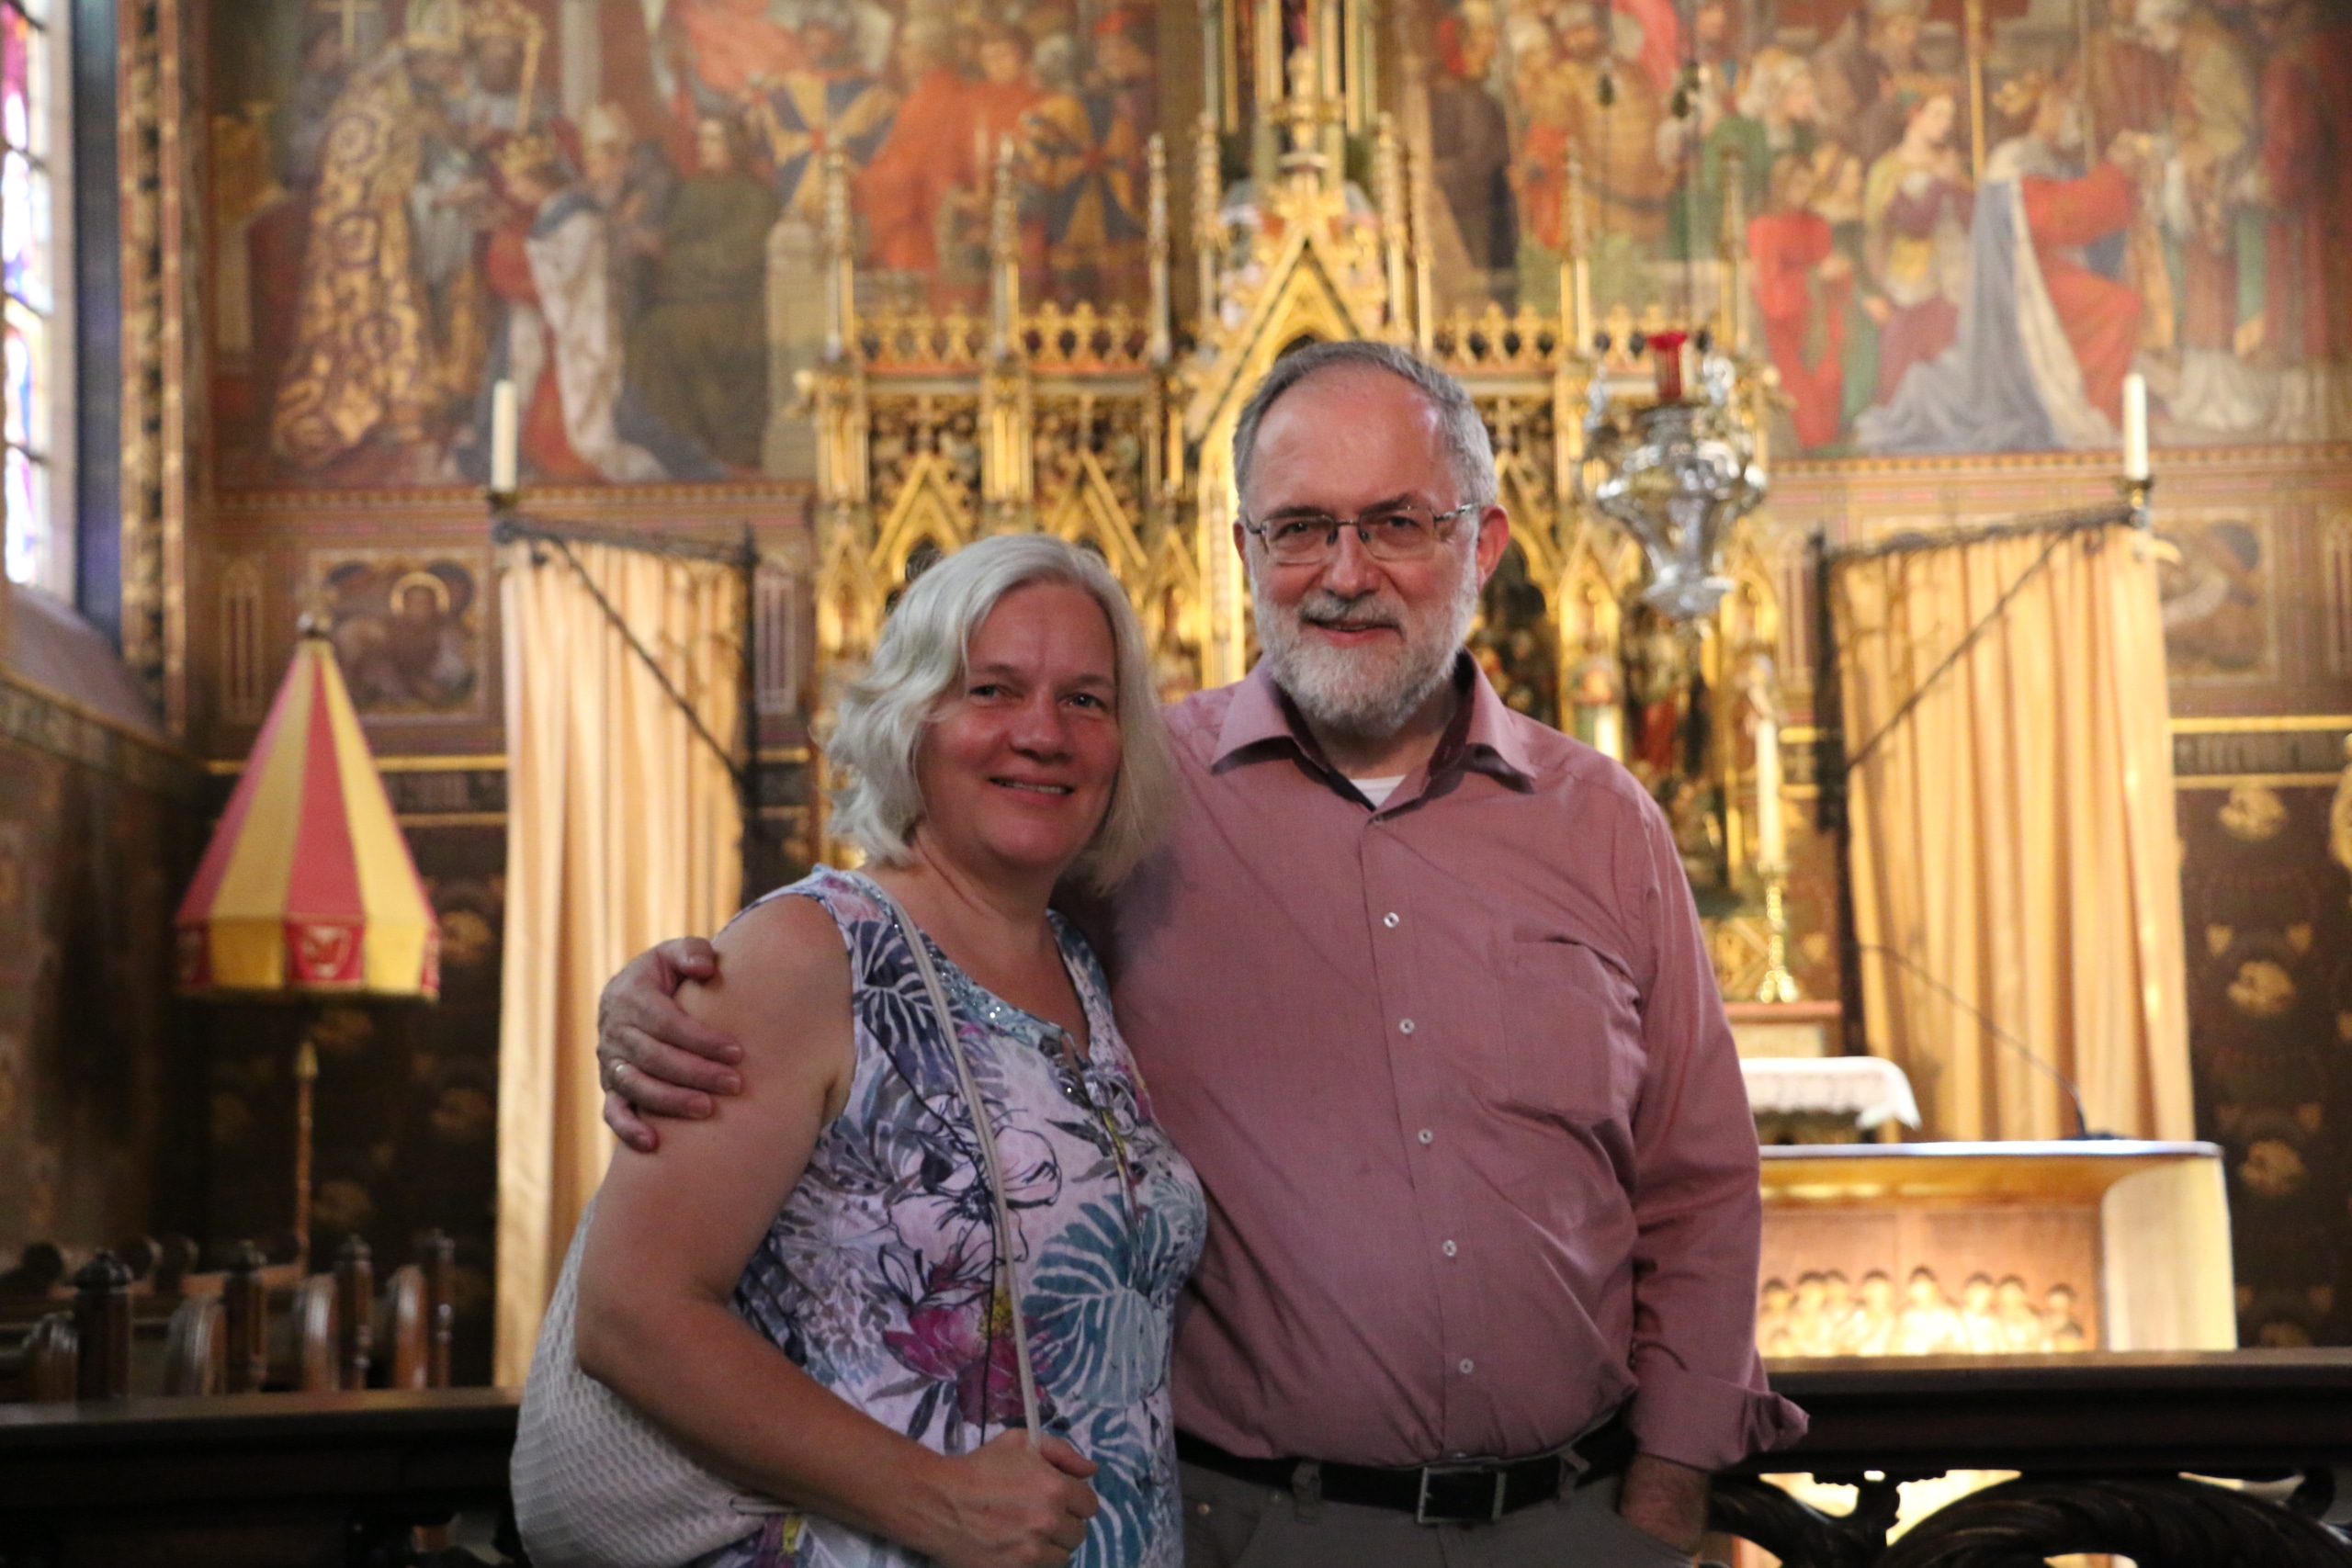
(2269, 916)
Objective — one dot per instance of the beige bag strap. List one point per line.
(1008, 1240)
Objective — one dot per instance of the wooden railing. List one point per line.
(2110, 1449)
(260, 1480)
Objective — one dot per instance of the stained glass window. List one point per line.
(38, 543)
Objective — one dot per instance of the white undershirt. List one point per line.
(1377, 791)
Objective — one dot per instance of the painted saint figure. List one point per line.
(1085, 151)
(389, 329)
(2213, 141)
(919, 164)
(1470, 156)
(1802, 284)
(2042, 342)
(832, 105)
(1558, 78)
(2302, 185)
(1916, 209)
(562, 345)
(1867, 73)
(699, 357)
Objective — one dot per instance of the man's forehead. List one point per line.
(1301, 414)
(1342, 431)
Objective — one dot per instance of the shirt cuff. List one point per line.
(1704, 1422)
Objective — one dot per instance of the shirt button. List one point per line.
(1406, 1027)
(1448, 1250)
(1426, 1135)
(1468, 1366)
(1389, 920)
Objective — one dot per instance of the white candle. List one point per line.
(2135, 426)
(1771, 841)
(504, 429)
(1608, 732)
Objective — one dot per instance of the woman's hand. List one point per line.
(1009, 1505)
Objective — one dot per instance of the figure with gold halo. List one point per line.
(390, 325)
(403, 647)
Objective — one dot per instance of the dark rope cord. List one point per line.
(645, 655)
(2060, 534)
(2074, 1093)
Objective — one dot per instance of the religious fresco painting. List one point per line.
(2217, 600)
(1966, 221)
(407, 630)
(620, 206)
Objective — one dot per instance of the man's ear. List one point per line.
(1494, 538)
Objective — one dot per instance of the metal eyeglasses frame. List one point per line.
(1438, 532)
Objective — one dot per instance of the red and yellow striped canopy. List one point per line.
(308, 884)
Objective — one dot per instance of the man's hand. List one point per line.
(651, 1056)
(1665, 1499)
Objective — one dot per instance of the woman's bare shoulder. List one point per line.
(780, 960)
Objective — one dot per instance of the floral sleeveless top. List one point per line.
(878, 1277)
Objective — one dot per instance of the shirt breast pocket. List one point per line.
(1571, 1048)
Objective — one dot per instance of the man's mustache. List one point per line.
(1322, 607)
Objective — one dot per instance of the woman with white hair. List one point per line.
(908, 1298)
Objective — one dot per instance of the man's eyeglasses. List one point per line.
(1410, 531)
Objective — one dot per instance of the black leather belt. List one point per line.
(1459, 1492)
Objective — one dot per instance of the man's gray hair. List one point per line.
(920, 660)
(1469, 450)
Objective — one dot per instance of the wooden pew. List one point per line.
(254, 1327)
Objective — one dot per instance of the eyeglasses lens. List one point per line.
(1398, 533)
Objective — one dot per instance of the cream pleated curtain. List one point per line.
(623, 829)
(2012, 834)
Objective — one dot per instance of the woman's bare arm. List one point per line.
(670, 1240)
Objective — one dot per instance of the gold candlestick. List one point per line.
(1778, 984)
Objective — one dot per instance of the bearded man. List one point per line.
(1418, 985)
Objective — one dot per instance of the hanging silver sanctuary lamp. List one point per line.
(1681, 473)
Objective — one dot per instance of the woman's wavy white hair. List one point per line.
(879, 727)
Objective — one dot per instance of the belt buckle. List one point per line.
(1422, 1515)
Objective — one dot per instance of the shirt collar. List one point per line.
(1484, 734)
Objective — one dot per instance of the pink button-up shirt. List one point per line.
(1458, 1082)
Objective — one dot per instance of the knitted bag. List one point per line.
(596, 1485)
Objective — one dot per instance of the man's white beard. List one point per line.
(1367, 692)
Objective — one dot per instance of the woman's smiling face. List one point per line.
(1017, 765)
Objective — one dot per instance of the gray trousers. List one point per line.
(1232, 1524)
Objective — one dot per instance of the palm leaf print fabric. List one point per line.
(878, 1277)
